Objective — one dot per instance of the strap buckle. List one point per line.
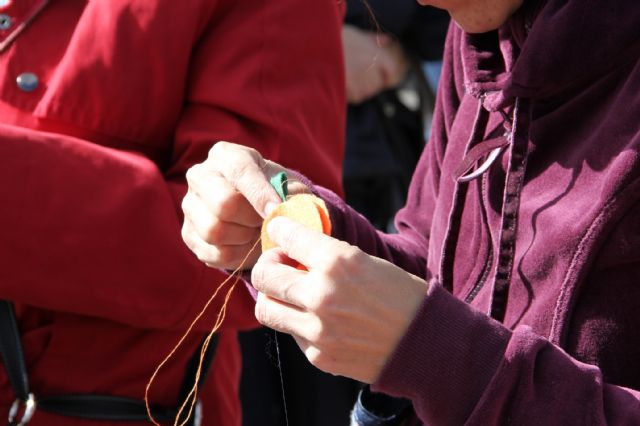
(29, 410)
(197, 414)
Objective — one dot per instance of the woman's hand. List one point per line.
(228, 196)
(347, 311)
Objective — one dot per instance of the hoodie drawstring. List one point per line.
(518, 142)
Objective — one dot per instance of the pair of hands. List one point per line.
(373, 62)
(347, 311)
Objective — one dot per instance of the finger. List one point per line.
(382, 39)
(353, 96)
(378, 80)
(203, 251)
(282, 317)
(315, 356)
(247, 172)
(233, 257)
(373, 81)
(226, 257)
(212, 229)
(274, 276)
(392, 65)
(219, 198)
(356, 96)
(311, 248)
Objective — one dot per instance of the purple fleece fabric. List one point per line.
(558, 246)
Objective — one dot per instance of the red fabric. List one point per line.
(131, 94)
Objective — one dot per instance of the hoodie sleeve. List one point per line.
(458, 366)
(96, 231)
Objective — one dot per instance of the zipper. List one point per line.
(489, 258)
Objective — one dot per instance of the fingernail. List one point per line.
(271, 225)
(276, 223)
(269, 207)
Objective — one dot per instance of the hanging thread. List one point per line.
(279, 361)
(279, 183)
(192, 397)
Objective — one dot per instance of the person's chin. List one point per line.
(478, 24)
(476, 28)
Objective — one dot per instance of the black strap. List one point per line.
(89, 406)
(103, 407)
(11, 351)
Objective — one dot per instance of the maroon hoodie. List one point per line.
(524, 213)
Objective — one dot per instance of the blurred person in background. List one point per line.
(388, 46)
(104, 105)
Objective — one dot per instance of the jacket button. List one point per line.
(5, 22)
(27, 81)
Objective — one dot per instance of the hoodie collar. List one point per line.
(548, 47)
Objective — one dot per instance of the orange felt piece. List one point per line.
(324, 215)
(306, 209)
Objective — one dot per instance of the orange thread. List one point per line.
(304, 208)
(192, 396)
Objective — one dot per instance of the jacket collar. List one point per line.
(549, 47)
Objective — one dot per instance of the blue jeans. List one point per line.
(376, 409)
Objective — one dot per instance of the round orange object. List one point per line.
(306, 209)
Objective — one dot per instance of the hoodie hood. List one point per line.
(528, 56)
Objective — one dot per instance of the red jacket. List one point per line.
(130, 94)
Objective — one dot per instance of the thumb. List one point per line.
(309, 247)
(248, 172)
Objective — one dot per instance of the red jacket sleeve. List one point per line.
(96, 231)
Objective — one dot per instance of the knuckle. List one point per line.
(217, 149)
(288, 239)
(318, 333)
(321, 360)
(239, 174)
(226, 257)
(250, 158)
(314, 304)
(251, 152)
(252, 192)
(258, 277)
(322, 302)
(204, 257)
(223, 202)
(185, 233)
(205, 254)
(347, 257)
(185, 205)
(288, 292)
(261, 311)
(215, 232)
(315, 358)
(192, 172)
